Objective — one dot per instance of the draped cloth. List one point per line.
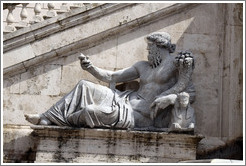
(92, 105)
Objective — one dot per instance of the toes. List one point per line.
(26, 117)
(34, 119)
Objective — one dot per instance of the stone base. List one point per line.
(214, 161)
(64, 144)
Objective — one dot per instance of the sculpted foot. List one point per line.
(37, 119)
(33, 118)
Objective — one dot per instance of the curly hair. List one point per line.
(162, 39)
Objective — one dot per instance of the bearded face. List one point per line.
(154, 56)
(154, 60)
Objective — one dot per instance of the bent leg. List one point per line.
(94, 116)
(85, 93)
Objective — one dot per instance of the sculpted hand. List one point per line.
(84, 62)
(161, 103)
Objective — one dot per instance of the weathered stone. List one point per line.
(15, 105)
(19, 146)
(209, 143)
(219, 161)
(58, 144)
(106, 52)
(43, 80)
(78, 74)
(18, 55)
(134, 52)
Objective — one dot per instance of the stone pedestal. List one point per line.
(64, 144)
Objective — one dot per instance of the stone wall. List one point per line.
(213, 32)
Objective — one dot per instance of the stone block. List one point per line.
(173, 24)
(18, 144)
(218, 161)
(105, 53)
(158, 6)
(42, 46)
(204, 21)
(13, 84)
(17, 55)
(15, 106)
(53, 78)
(64, 144)
(129, 49)
(71, 75)
(44, 80)
(201, 43)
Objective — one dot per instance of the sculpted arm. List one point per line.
(111, 77)
(185, 64)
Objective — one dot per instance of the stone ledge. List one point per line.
(99, 132)
(56, 24)
(19, 146)
(42, 144)
(65, 144)
(214, 161)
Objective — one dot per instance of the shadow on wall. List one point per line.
(25, 154)
(231, 150)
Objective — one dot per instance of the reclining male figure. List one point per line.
(93, 105)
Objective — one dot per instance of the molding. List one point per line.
(56, 24)
(88, 42)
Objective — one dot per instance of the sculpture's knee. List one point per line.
(82, 82)
(89, 114)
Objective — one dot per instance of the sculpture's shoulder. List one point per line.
(142, 65)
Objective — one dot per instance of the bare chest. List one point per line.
(160, 75)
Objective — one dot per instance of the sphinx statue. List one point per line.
(182, 114)
(160, 78)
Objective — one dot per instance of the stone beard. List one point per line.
(154, 60)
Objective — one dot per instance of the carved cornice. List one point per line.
(59, 24)
(56, 24)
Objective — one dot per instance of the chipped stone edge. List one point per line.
(102, 132)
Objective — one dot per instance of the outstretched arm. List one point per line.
(111, 77)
